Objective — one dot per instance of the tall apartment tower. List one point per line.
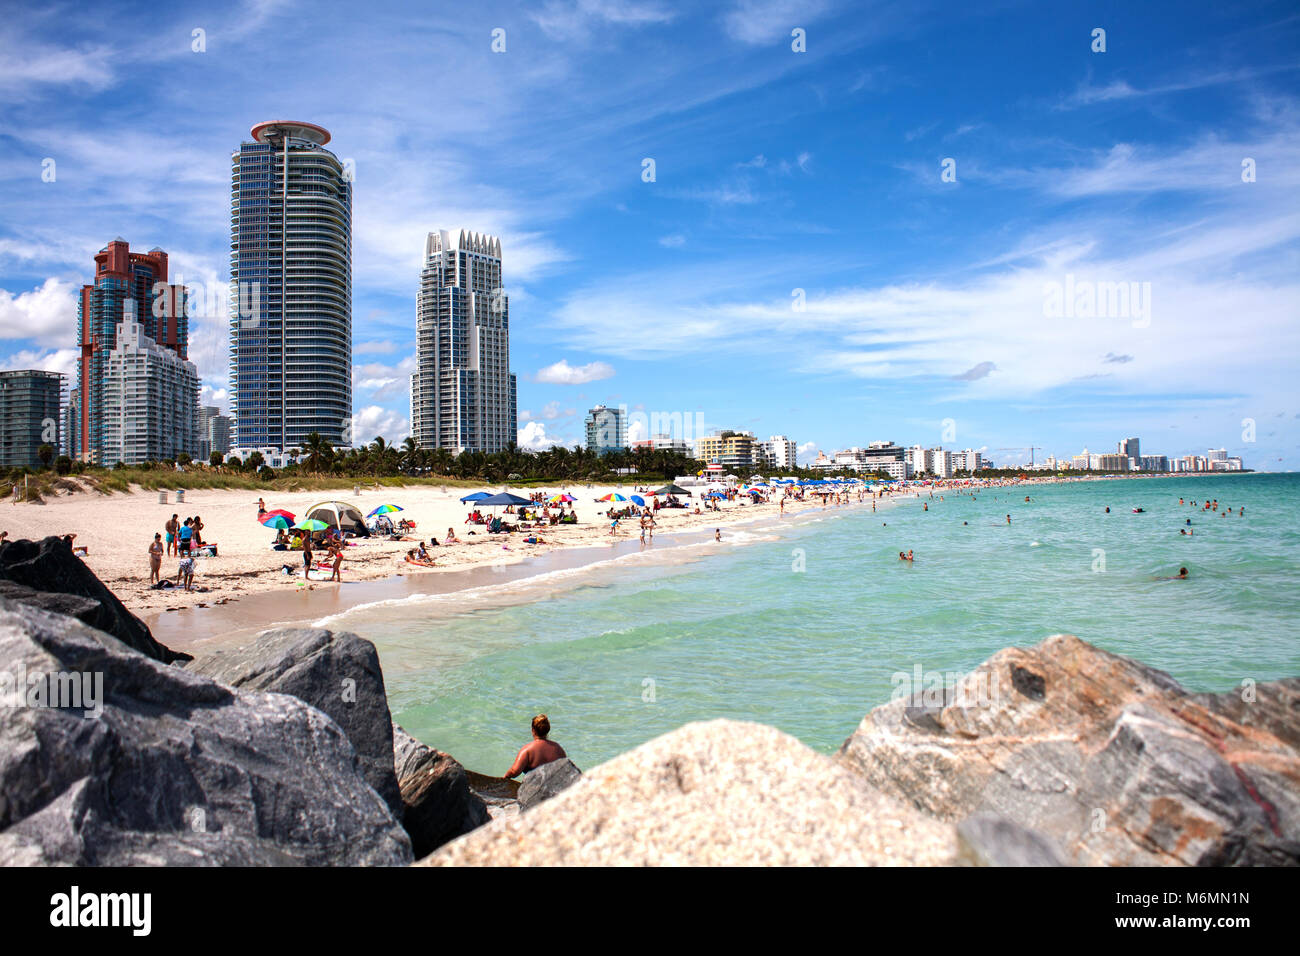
(30, 403)
(463, 395)
(151, 400)
(126, 283)
(291, 289)
(606, 429)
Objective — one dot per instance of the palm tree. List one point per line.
(319, 453)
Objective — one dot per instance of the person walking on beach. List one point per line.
(306, 558)
(172, 527)
(337, 554)
(539, 752)
(261, 507)
(185, 573)
(155, 558)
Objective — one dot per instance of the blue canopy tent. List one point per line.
(505, 498)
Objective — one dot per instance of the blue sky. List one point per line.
(924, 300)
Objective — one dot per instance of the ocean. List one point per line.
(809, 622)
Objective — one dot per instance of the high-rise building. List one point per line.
(733, 450)
(463, 395)
(781, 452)
(1131, 448)
(71, 426)
(291, 289)
(126, 283)
(30, 405)
(606, 429)
(150, 400)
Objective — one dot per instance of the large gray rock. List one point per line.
(338, 673)
(54, 579)
(716, 793)
(175, 770)
(546, 781)
(439, 805)
(1109, 759)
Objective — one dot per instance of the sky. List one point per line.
(838, 222)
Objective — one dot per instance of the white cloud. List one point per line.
(46, 314)
(57, 360)
(562, 373)
(637, 430)
(374, 420)
(673, 241)
(575, 19)
(767, 21)
(533, 437)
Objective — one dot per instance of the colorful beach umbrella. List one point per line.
(556, 499)
(278, 511)
(279, 522)
(612, 497)
(311, 524)
(384, 510)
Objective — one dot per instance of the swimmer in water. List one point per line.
(1108, 509)
(1180, 576)
(1008, 519)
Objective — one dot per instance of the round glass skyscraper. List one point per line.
(291, 289)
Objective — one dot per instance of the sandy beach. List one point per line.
(117, 531)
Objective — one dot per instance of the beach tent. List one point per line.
(671, 490)
(338, 514)
(476, 496)
(505, 498)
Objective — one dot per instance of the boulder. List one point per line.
(546, 781)
(155, 765)
(54, 575)
(1112, 761)
(438, 803)
(337, 673)
(717, 793)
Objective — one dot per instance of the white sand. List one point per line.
(118, 529)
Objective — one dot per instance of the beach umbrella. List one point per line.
(612, 497)
(311, 524)
(384, 510)
(278, 511)
(280, 522)
(638, 500)
(476, 496)
(556, 499)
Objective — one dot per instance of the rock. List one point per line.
(176, 770)
(1112, 761)
(439, 805)
(337, 673)
(546, 781)
(989, 840)
(716, 793)
(55, 576)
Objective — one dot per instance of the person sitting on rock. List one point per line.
(540, 751)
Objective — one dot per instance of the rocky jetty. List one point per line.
(125, 761)
(438, 804)
(284, 753)
(716, 793)
(337, 672)
(1111, 761)
(46, 574)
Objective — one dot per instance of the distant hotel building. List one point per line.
(30, 405)
(463, 395)
(291, 289)
(733, 450)
(664, 443)
(606, 429)
(126, 284)
(780, 452)
(150, 401)
(214, 432)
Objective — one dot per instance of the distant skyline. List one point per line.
(797, 266)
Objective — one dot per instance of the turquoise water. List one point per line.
(733, 630)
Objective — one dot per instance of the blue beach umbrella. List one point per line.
(638, 500)
(476, 496)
